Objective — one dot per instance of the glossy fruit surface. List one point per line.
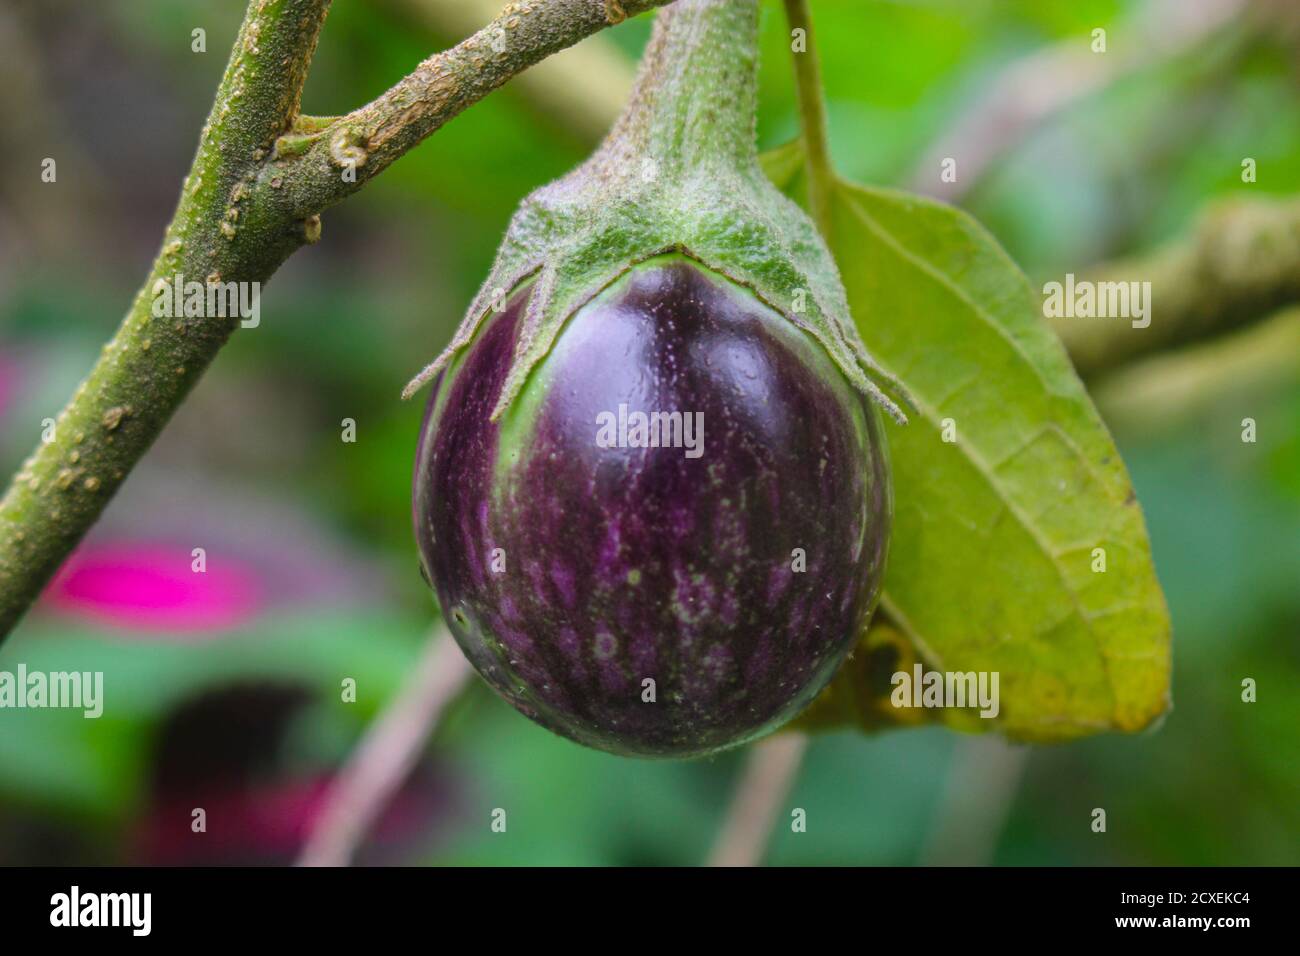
(655, 601)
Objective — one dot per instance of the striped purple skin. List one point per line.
(618, 564)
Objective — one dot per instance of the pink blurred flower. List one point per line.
(153, 587)
(136, 570)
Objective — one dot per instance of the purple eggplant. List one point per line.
(672, 537)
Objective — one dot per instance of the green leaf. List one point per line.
(992, 555)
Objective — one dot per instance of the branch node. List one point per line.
(346, 149)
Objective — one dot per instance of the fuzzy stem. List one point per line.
(244, 208)
(812, 117)
(694, 103)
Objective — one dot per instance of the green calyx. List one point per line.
(678, 173)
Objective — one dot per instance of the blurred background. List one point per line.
(223, 689)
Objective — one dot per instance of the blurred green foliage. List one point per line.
(346, 322)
